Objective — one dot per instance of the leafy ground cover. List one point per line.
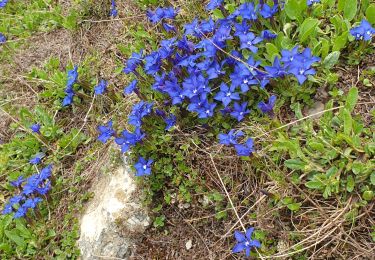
(290, 153)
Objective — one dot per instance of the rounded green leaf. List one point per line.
(370, 13)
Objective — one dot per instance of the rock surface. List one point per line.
(113, 218)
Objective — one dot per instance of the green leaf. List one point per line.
(294, 206)
(348, 121)
(295, 8)
(12, 235)
(372, 178)
(340, 42)
(314, 185)
(308, 28)
(368, 195)
(351, 99)
(295, 164)
(272, 50)
(350, 9)
(370, 13)
(331, 59)
(350, 183)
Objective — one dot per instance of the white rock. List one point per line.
(112, 218)
(189, 244)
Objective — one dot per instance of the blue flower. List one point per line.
(8, 208)
(207, 110)
(31, 184)
(101, 87)
(231, 138)
(267, 34)
(21, 212)
(153, 63)
(3, 3)
(131, 87)
(241, 28)
(36, 159)
(267, 12)
(133, 62)
(301, 71)
(247, 11)
(46, 172)
(143, 167)
(105, 132)
(248, 41)
(17, 183)
(127, 140)
(240, 111)
(267, 107)
(72, 77)
(245, 242)
(192, 28)
(363, 32)
(3, 39)
(214, 70)
(170, 121)
(169, 28)
(207, 26)
(311, 2)
(113, 11)
(195, 85)
(68, 99)
(245, 149)
(226, 94)
(213, 4)
(161, 13)
(277, 70)
(209, 49)
(35, 128)
(31, 203)
(139, 111)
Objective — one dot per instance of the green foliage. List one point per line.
(330, 151)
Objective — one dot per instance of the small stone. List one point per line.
(189, 244)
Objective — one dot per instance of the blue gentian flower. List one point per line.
(143, 167)
(209, 49)
(226, 94)
(170, 121)
(127, 140)
(139, 111)
(31, 203)
(131, 87)
(268, 35)
(8, 208)
(241, 28)
(68, 99)
(277, 70)
(46, 172)
(36, 159)
(245, 242)
(363, 32)
(245, 149)
(162, 13)
(207, 26)
(240, 111)
(267, 107)
(17, 183)
(169, 28)
(288, 56)
(301, 71)
(153, 63)
(133, 62)
(192, 28)
(207, 110)
(214, 70)
(35, 128)
(231, 138)
(101, 87)
(72, 77)
(113, 11)
(105, 132)
(195, 85)
(249, 40)
(21, 212)
(213, 4)
(311, 2)
(3, 3)
(247, 11)
(267, 12)
(3, 39)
